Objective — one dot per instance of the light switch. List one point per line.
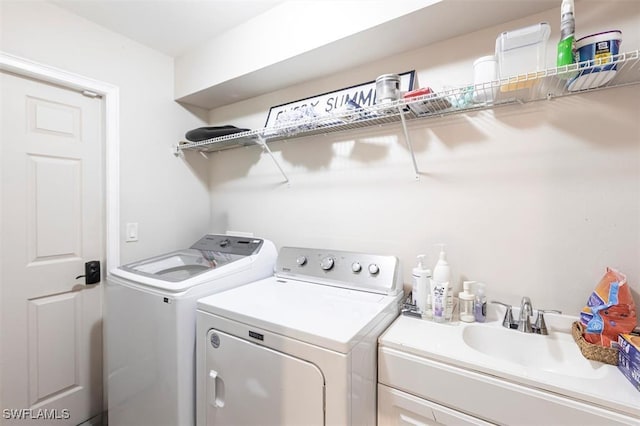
(132, 232)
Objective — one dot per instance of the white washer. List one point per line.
(150, 324)
(298, 348)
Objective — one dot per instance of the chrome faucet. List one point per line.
(524, 320)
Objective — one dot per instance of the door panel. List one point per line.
(249, 384)
(52, 118)
(55, 186)
(54, 323)
(52, 222)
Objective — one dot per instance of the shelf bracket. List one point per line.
(265, 148)
(408, 140)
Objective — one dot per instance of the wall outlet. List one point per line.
(132, 232)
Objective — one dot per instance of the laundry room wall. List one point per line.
(535, 199)
(167, 196)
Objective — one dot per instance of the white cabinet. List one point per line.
(397, 408)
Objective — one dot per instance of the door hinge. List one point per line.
(89, 94)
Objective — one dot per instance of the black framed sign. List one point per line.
(361, 95)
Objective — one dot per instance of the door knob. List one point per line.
(91, 272)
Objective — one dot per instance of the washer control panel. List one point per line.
(228, 244)
(360, 271)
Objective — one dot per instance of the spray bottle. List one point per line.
(442, 281)
(567, 44)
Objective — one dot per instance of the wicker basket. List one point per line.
(591, 351)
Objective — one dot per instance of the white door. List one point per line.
(51, 223)
(251, 385)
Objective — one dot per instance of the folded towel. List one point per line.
(204, 133)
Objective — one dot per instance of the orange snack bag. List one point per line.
(609, 311)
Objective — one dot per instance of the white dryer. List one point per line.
(150, 324)
(298, 348)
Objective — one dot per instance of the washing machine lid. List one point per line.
(178, 270)
(330, 317)
(180, 265)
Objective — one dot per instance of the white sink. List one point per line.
(552, 363)
(555, 353)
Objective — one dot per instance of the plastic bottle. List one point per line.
(439, 301)
(567, 43)
(414, 282)
(442, 272)
(420, 285)
(480, 304)
(442, 275)
(466, 299)
(428, 313)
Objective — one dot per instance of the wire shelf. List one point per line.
(572, 79)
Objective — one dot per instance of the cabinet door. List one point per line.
(397, 408)
(249, 384)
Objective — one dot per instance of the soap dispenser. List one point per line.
(420, 288)
(466, 299)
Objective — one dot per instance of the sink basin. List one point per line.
(555, 353)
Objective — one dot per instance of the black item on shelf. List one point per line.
(204, 133)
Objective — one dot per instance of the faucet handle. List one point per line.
(508, 321)
(540, 327)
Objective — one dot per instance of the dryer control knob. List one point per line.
(301, 260)
(374, 269)
(356, 267)
(326, 263)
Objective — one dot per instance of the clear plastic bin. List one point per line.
(522, 51)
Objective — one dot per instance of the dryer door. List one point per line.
(249, 384)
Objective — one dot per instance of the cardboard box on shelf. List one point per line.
(629, 358)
